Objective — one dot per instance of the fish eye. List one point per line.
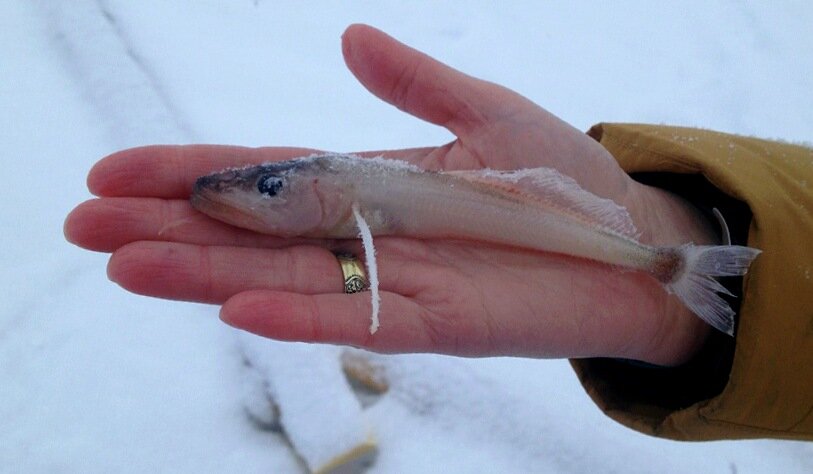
(269, 185)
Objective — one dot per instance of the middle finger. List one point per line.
(108, 223)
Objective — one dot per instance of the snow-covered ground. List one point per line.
(94, 379)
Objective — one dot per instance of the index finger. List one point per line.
(169, 171)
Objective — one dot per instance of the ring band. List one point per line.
(355, 280)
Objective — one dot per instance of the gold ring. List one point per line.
(355, 279)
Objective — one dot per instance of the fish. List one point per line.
(329, 195)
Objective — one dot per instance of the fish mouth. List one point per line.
(210, 195)
(204, 201)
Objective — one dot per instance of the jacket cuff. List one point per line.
(746, 389)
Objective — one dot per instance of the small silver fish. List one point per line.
(534, 208)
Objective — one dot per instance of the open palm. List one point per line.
(437, 296)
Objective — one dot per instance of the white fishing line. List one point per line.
(372, 267)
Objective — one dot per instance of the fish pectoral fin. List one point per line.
(557, 190)
(372, 266)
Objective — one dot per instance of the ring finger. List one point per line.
(211, 274)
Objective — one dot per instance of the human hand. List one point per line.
(469, 299)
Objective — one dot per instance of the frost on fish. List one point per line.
(335, 196)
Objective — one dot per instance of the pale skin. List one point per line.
(463, 298)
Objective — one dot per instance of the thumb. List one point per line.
(422, 86)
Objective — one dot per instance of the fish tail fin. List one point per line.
(694, 284)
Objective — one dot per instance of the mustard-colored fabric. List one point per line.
(769, 391)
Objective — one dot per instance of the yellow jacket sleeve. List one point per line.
(759, 384)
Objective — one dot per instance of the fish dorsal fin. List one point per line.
(559, 191)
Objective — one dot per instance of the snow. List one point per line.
(308, 387)
(98, 380)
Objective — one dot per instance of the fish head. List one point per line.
(289, 198)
